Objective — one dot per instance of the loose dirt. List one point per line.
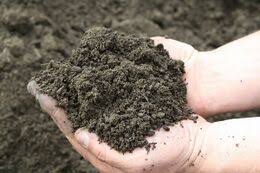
(30, 141)
(121, 87)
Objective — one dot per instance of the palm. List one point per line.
(172, 151)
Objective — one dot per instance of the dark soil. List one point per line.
(30, 141)
(119, 86)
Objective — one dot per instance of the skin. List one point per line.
(223, 80)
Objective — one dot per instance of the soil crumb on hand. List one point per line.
(121, 87)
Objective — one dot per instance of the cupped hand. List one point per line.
(192, 60)
(222, 80)
(175, 150)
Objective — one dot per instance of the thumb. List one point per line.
(101, 150)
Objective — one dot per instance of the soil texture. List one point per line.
(30, 141)
(119, 86)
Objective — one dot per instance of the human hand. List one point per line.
(222, 80)
(221, 147)
(191, 58)
(176, 150)
(193, 148)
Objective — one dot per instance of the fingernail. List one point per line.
(83, 138)
(32, 88)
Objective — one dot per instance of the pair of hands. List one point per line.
(188, 146)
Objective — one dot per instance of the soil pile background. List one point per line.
(30, 142)
(119, 86)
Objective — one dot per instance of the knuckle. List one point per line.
(54, 115)
(102, 155)
(55, 112)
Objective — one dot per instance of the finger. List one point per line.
(58, 115)
(177, 50)
(104, 153)
(48, 105)
(101, 150)
(101, 166)
(33, 88)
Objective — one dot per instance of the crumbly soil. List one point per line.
(30, 141)
(121, 87)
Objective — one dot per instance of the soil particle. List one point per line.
(140, 24)
(192, 164)
(51, 43)
(6, 59)
(15, 45)
(166, 128)
(199, 152)
(17, 23)
(119, 86)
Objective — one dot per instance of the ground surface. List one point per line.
(34, 31)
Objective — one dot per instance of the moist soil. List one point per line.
(119, 86)
(30, 141)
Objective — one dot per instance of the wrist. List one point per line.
(228, 81)
(227, 148)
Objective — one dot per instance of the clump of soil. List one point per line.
(121, 87)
